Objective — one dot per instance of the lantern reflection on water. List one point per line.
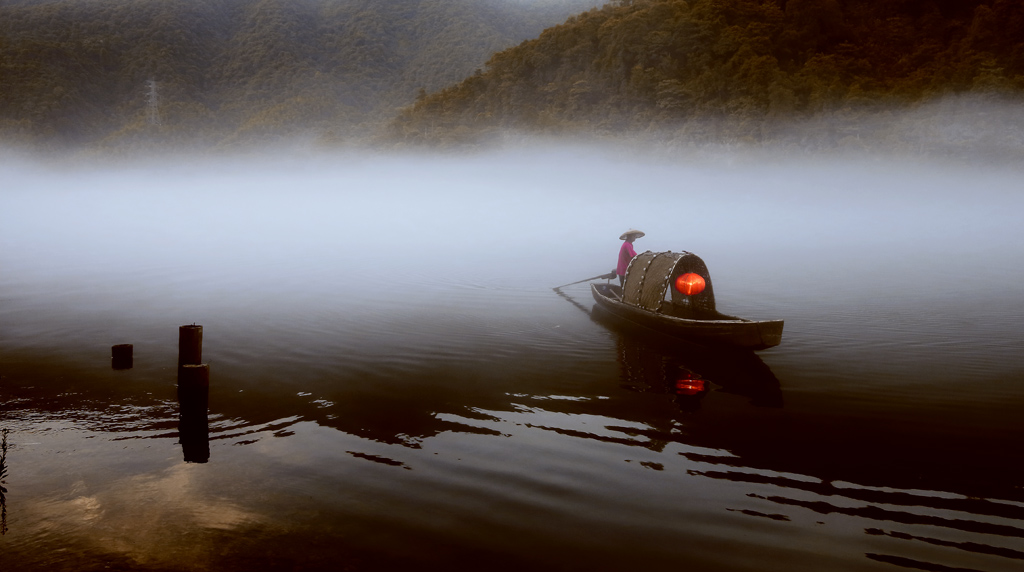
(689, 386)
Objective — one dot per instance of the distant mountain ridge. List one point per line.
(234, 71)
(729, 70)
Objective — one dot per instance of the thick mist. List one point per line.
(878, 253)
(522, 219)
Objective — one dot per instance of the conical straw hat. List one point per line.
(626, 234)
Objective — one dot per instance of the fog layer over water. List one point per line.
(392, 373)
(513, 217)
(277, 238)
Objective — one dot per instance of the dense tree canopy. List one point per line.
(76, 71)
(726, 69)
(240, 71)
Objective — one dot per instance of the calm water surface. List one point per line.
(395, 383)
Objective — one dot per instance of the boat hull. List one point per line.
(728, 332)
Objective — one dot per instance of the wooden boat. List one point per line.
(649, 297)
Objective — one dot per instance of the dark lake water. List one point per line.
(394, 382)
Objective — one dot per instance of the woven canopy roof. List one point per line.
(651, 275)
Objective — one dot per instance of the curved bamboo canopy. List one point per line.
(649, 281)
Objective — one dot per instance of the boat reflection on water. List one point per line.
(812, 464)
(653, 362)
(650, 361)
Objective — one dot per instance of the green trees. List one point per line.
(237, 71)
(233, 71)
(747, 66)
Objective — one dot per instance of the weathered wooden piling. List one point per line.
(193, 395)
(194, 376)
(190, 345)
(121, 356)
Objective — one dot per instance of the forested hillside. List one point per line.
(739, 70)
(239, 71)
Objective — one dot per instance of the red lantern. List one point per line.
(690, 283)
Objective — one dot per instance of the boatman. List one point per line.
(626, 252)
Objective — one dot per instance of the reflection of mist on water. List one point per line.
(163, 520)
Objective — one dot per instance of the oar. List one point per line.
(607, 276)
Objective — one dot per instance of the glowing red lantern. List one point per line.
(690, 283)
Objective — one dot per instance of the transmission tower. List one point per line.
(152, 103)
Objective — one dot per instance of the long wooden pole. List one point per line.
(607, 276)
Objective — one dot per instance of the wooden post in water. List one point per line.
(193, 395)
(194, 376)
(190, 345)
(121, 356)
